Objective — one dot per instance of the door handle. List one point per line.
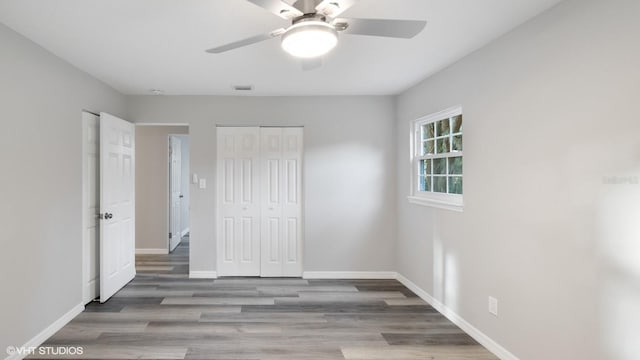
(181, 196)
(106, 216)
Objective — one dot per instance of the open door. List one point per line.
(175, 188)
(117, 204)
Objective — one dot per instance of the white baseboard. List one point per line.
(349, 275)
(49, 331)
(152, 251)
(478, 335)
(184, 232)
(203, 275)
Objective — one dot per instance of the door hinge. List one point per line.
(170, 235)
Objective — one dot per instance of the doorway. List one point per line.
(156, 234)
(108, 205)
(259, 202)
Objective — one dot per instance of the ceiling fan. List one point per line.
(315, 27)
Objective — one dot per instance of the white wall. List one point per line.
(152, 185)
(41, 100)
(550, 112)
(348, 171)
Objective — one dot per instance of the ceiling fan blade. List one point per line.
(245, 42)
(333, 8)
(311, 63)
(405, 29)
(279, 8)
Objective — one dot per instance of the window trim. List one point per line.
(453, 202)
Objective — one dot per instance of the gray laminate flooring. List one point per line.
(162, 314)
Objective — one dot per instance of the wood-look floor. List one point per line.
(162, 314)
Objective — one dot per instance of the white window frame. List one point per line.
(453, 202)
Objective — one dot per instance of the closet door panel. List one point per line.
(292, 144)
(238, 201)
(272, 197)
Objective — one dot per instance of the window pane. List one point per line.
(440, 184)
(457, 124)
(425, 167)
(455, 185)
(424, 182)
(427, 131)
(442, 145)
(455, 165)
(427, 147)
(440, 166)
(443, 127)
(456, 145)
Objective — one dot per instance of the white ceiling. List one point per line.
(140, 45)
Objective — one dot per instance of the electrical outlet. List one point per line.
(203, 183)
(493, 306)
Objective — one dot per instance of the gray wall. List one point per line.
(550, 119)
(152, 185)
(41, 100)
(348, 171)
(549, 227)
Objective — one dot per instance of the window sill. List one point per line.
(445, 204)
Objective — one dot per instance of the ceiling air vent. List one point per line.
(243, 87)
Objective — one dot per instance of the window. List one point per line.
(436, 169)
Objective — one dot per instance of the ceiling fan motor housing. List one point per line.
(307, 6)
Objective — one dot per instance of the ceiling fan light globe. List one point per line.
(309, 39)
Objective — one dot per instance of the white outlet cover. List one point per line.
(493, 305)
(203, 183)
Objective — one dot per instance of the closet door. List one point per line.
(281, 205)
(238, 202)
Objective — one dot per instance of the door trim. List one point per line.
(86, 261)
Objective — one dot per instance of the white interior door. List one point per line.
(90, 206)
(117, 204)
(281, 204)
(238, 222)
(175, 185)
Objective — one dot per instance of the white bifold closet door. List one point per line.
(238, 202)
(259, 225)
(281, 206)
